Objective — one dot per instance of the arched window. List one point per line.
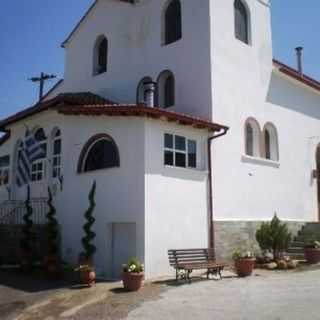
(141, 97)
(252, 138)
(172, 22)
(100, 55)
(166, 89)
(39, 166)
(241, 16)
(271, 147)
(100, 152)
(56, 154)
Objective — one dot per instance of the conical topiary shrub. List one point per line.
(51, 261)
(52, 226)
(26, 246)
(88, 248)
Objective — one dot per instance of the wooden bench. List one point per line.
(186, 260)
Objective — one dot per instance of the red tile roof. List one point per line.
(82, 98)
(92, 105)
(141, 111)
(293, 73)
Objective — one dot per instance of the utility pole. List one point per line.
(43, 77)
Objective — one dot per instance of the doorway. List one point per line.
(318, 178)
(123, 246)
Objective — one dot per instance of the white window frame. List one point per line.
(175, 151)
(43, 171)
(58, 158)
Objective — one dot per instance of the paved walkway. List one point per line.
(265, 296)
(271, 296)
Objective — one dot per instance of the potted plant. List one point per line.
(86, 268)
(274, 237)
(133, 275)
(26, 256)
(244, 263)
(52, 260)
(312, 252)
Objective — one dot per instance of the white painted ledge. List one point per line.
(260, 161)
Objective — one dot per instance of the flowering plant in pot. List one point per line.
(133, 275)
(86, 268)
(312, 252)
(244, 263)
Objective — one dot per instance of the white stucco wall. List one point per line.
(244, 86)
(136, 51)
(176, 212)
(120, 191)
(167, 204)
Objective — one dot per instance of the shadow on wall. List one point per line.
(285, 93)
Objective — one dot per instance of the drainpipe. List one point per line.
(210, 191)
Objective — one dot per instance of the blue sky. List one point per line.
(31, 33)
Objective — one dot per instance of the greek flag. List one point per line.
(30, 151)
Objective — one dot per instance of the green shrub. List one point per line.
(52, 226)
(274, 237)
(26, 243)
(88, 247)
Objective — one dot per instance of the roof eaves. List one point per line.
(294, 74)
(78, 24)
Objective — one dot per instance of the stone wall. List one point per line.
(231, 236)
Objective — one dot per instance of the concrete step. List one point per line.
(297, 244)
(296, 250)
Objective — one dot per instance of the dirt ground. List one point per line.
(35, 298)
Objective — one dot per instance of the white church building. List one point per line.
(192, 131)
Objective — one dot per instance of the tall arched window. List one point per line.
(141, 98)
(100, 55)
(242, 23)
(271, 147)
(166, 89)
(172, 22)
(56, 154)
(252, 138)
(39, 166)
(100, 152)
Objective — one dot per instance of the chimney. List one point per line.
(299, 60)
(149, 93)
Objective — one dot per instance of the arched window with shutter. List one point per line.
(166, 89)
(252, 138)
(271, 145)
(100, 59)
(242, 21)
(172, 22)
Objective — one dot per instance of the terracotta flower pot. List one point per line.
(244, 267)
(52, 266)
(132, 281)
(88, 277)
(312, 255)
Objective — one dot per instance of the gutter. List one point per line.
(211, 232)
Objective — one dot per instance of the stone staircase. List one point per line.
(296, 250)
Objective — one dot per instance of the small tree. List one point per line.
(52, 226)
(88, 247)
(274, 237)
(26, 241)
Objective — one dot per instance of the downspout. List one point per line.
(210, 189)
